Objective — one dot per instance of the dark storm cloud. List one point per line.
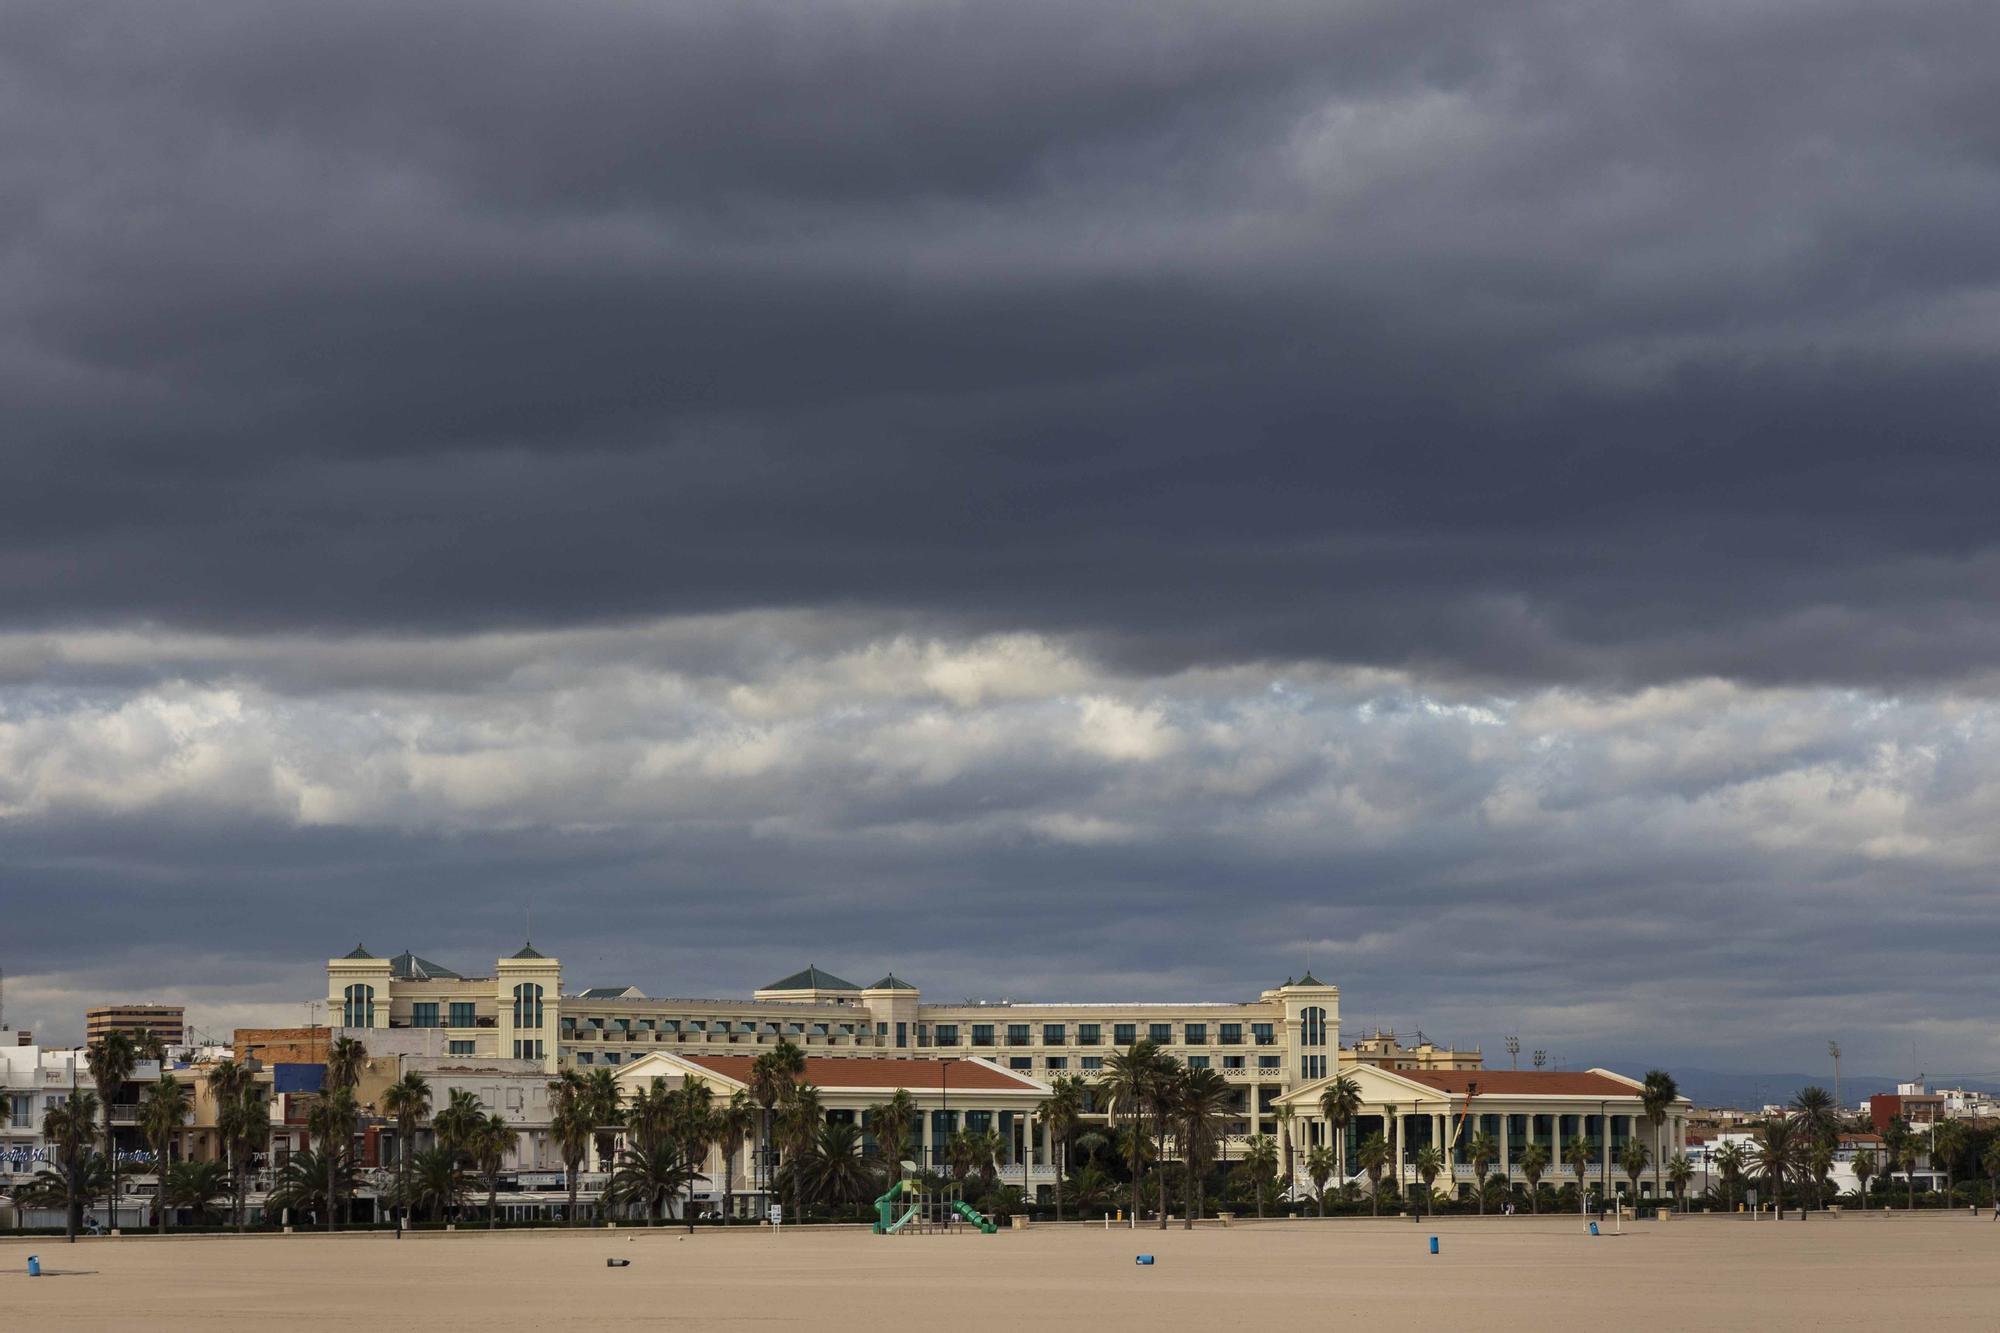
(1071, 500)
(1615, 344)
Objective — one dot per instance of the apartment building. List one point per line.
(168, 1022)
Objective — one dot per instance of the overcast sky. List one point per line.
(1494, 502)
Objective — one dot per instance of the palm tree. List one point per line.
(1534, 1162)
(148, 1046)
(490, 1142)
(70, 1126)
(437, 1183)
(1895, 1137)
(1340, 1104)
(1907, 1156)
(313, 1179)
(1579, 1154)
(1091, 1189)
(650, 1172)
(166, 1107)
(1163, 1098)
(226, 1083)
(691, 1124)
(455, 1127)
(833, 1170)
(960, 1152)
(798, 1126)
(195, 1185)
(734, 1122)
(111, 1061)
(332, 1121)
(1201, 1110)
(1372, 1156)
(1864, 1167)
(408, 1099)
(1260, 1164)
(1777, 1154)
(1127, 1085)
(1320, 1166)
(1729, 1160)
(569, 1122)
(602, 1100)
(1813, 1108)
(64, 1188)
(253, 1135)
(1947, 1142)
(1287, 1171)
(343, 1063)
(1430, 1165)
(1990, 1162)
(1679, 1172)
(1061, 1115)
(1633, 1159)
(772, 1075)
(1657, 1094)
(891, 1123)
(1482, 1150)
(1819, 1165)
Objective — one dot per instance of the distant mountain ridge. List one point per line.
(1750, 1092)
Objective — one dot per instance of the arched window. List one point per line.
(357, 1009)
(1313, 1025)
(527, 1005)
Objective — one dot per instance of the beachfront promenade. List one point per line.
(1939, 1270)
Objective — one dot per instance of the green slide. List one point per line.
(885, 1207)
(897, 1225)
(972, 1215)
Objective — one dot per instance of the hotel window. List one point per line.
(586, 1057)
(1312, 1027)
(357, 1009)
(902, 1034)
(1262, 1033)
(1267, 1062)
(1197, 1062)
(458, 1048)
(528, 1007)
(424, 1014)
(1020, 1062)
(1052, 1034)
(527, 1050)
(1232, 1062)
(1092, 1062)
(1089, 1034)
(1017, 1034)
(923, 1034)
(1311, 1066)
(1058, 1062)
(612, 1057)
(460, 1014)
(1196, 1034)
(947, 1034)
(1161, 1034)
(1124, 1034)
(1232, 1034)
(982, 1034)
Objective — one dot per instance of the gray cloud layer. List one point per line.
(954, 466)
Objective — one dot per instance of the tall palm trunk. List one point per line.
(1135, 1129)
(1059, 1150)
(1160, 1156)
(492, 1202)
(327, 1147)
(573, 1182)
(111, 1151)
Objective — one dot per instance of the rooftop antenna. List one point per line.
(1514, 1052)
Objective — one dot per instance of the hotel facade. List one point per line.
(1280, 1052)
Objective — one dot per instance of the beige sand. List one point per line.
(1521, 1273)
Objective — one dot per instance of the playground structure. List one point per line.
(916, 1206)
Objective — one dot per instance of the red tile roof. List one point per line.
(872, 1072)
(1519, 1083)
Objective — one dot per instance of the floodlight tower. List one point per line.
(1541, 1058)
(1514, 1052)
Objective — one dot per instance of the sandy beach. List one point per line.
(1520, 1273)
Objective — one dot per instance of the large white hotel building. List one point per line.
(1281, 1050)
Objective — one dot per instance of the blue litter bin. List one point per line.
(1434, 1244)
(34, 1265)
(1593, 1228)
(1144, 1259)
